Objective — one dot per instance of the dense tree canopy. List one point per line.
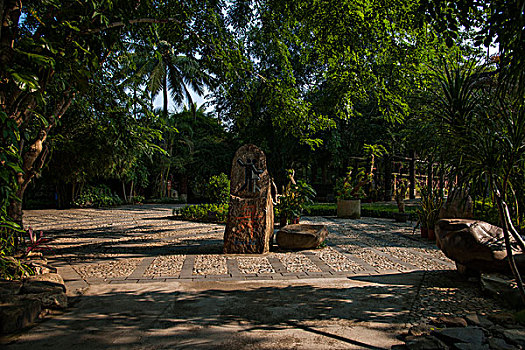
(311, 82)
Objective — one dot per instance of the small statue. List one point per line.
(251, 175)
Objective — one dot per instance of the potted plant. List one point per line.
(292, 201)
(400, 194)
(422, 221)
(349, 191)
(428, 210)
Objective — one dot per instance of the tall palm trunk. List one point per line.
(165, 95)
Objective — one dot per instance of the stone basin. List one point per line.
(301, 236)
(476, 245)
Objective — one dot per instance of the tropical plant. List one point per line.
(351, 185)
(36, 241)
(97, 196)
(10, 161)
(203, 212)
(486, 141)
(429, 206)
(401, 192)
(218, 189)
(295, 197)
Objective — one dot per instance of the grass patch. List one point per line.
(374, 210)
(216, 213)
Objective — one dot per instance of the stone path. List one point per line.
(148, 281)
(143, 244)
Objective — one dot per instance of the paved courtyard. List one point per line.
(145, 280)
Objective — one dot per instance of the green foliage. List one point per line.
(486, 211)
(137, 200)
(165, 200)
(97, 196)
(295, 197)
(218, 189)
(321, 209)
(401, 191)
(520, 317)
(199, 149)
(203, 213)
(430, 204)
(10, 161)
(375, 210)
(12, 268)
(351, 185)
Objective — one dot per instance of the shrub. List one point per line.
(203, 212)
(12, 268)
(137, 199)
(165, 200)
(296, 196)
(386, 211)
(351, 185)
(97, 196)
(217, 190)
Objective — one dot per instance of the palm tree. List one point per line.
(168, 71)
(165, 70)
(485, 140)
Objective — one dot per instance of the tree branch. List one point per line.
(505, 225)
(132, 21)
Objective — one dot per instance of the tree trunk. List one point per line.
(124, 192)
(430, 171)
(131, 194)
(505, 221)
(165, 95)
(388, 179)
(412, 185)
(324, 173)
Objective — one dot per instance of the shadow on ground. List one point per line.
(230, 316)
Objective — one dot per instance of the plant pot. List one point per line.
(349, 208)
(424, 232)
(282, 221)
(431, 234)
(401, 217)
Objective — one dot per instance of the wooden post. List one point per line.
(412, 188)
(430, 177)
(388, 178)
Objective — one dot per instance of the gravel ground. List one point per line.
(295, 262)
(373, 259)
(406, 255)
(255, 265)
(210, 265)
(337, 261)
(91, 237)
(169, 265)
(446, 294)
(109, 269)
(109, 244)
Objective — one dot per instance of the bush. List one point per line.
(137, 200)
(296, 196)
(385, 211)
(217, 190)
(12, 268)
(217, 213)
(97, 196)
(321, 209)
(165, 200)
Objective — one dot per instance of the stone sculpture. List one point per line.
(475, 245)
(249, 227)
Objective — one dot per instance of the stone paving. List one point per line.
(143, 244)
(150, 282)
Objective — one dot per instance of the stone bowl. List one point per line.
(301, 236)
